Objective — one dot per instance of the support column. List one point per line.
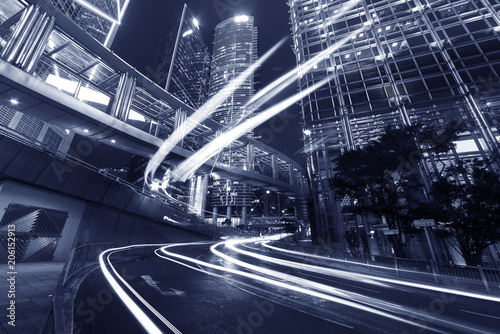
(179, 125)
(274, 166)
(123, 98)
(244, 217)
(228, 214)
(202, 195)
(250, 158)
(29, 39)
(215, 214)
(290, 173)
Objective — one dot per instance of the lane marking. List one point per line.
(136, 311)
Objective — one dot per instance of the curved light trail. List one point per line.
(185, 169)
(141, 317)
(204, 112)
(248, 267)
(393, 281)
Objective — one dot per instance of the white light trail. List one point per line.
(303, 266)
(204, 112)
(373, 302)
(168, 255)
(185, 169)
(394, 281)
(279, 84)
(189, 166)
(136, 311)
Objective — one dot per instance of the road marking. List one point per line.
(154, 284)
(484, 315)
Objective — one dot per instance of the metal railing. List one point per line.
(444, 274)
(84, 69)
(81, 261)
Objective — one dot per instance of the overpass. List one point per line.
(54, 71)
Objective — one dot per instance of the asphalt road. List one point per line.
(238, 287)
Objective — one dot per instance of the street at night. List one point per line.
(248, 286)
(250, 166)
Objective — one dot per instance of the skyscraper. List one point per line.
(235, 50)
(397, 63)
(183, 67)
(99, 18)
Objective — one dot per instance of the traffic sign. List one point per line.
(424, 222)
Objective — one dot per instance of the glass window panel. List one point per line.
(415, 86)
(477, 25)
(436, 82)
(467, 51)
(490, 45)
(455, 31)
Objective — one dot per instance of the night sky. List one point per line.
(139, 39)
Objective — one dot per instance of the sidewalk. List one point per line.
(35, 284)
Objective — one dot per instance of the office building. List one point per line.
(235, 50)
(183, 66)
(100, 18)
(397, 63)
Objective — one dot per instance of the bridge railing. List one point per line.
(65, 57)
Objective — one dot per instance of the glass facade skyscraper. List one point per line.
(183, 67)
(235, 50)
(99, 18)
(397, 63)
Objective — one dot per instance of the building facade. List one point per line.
(393, 63)
(235, 50)
(99, 18)
(183, 66)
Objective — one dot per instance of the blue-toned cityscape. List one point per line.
(235, 166)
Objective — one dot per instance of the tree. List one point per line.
(467, 202)
(384, 179)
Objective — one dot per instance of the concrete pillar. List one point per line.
(15, 120)
(244, 216)
(215, 213)
(180, 118)
(250, 157)
(202, 194)
(290, 173)
(228, 212)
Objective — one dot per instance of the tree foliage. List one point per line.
(467, 201)
(384, 180)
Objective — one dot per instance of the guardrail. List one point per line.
(444, 274)
(81, 260)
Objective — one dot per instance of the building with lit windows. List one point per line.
(397, 63)
(183, 66)
(235, 50)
